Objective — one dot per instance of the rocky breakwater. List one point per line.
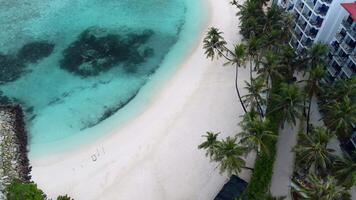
(14, 163)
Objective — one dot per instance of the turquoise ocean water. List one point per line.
(82, 67)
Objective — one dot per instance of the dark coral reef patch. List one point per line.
(34, 51)
(12, 67)
(96, 50)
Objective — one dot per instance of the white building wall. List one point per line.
(332, 21)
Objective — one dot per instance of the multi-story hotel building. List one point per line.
(342, 55)
(326, 21)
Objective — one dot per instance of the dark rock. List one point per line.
(96, 51)
(10, 68)
(34, 51)
(23, 167)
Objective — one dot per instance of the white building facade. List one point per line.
(328, 22)
(342, 55)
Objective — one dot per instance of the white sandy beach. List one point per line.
(155, 155)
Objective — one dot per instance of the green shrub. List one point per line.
(24, 191)
(263, 169)
(66, 197)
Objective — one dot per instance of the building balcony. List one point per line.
(307, 43)
(294, 44)
(290, 7)
(284, 4)
(346, 48)
(347, 71)
(310, 3)
(326, 1)
(306, 15)
(301, 50)
(299, 7)
(302, 24)
(311, 34)
(332, 71)
(339, 37)
(340, 60)
(352, 33)
(316, 23)
(347, 24)
(353, 58)
(334, 47)
(322, 10)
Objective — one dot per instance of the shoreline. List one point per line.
(156, 152)
(144, 97)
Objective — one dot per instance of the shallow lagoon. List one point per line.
(61, 103)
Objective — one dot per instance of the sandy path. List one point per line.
(155, 156)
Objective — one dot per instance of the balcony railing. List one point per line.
(347, 48)
(302, 24)
(347, 71)
(339, 37)
(299, 7)
(294, 44)
(306, 15)
(333, 49)
(346, 24)
(352, 32)
(310, 3)
(353, 58)
(322, 11)
(340, 60)
(306, 42)
(332, 71)
(316, 23)
(327, 1)
(311, 34)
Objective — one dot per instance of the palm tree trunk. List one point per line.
(308, 116)
(249, 168)
(268, 89)
(237, 89)
(251, 70)
(260, 108)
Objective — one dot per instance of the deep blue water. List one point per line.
(73, 64)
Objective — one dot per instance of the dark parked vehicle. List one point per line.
(232, 189)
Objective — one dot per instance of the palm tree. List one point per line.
(313, 86)
(318, 188)
(270, 67)
(344, 170)
(289, 101)
(210, 144)
(253, 97)
(341, 116)
(229, 156)
(239, 60)
(214, 45)
(251, 16)
(338, 90)
(317, 55)
(255, 133)
(312, 150)
(227, 153)
(289, 61)
(254, 44)
(345, 87)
